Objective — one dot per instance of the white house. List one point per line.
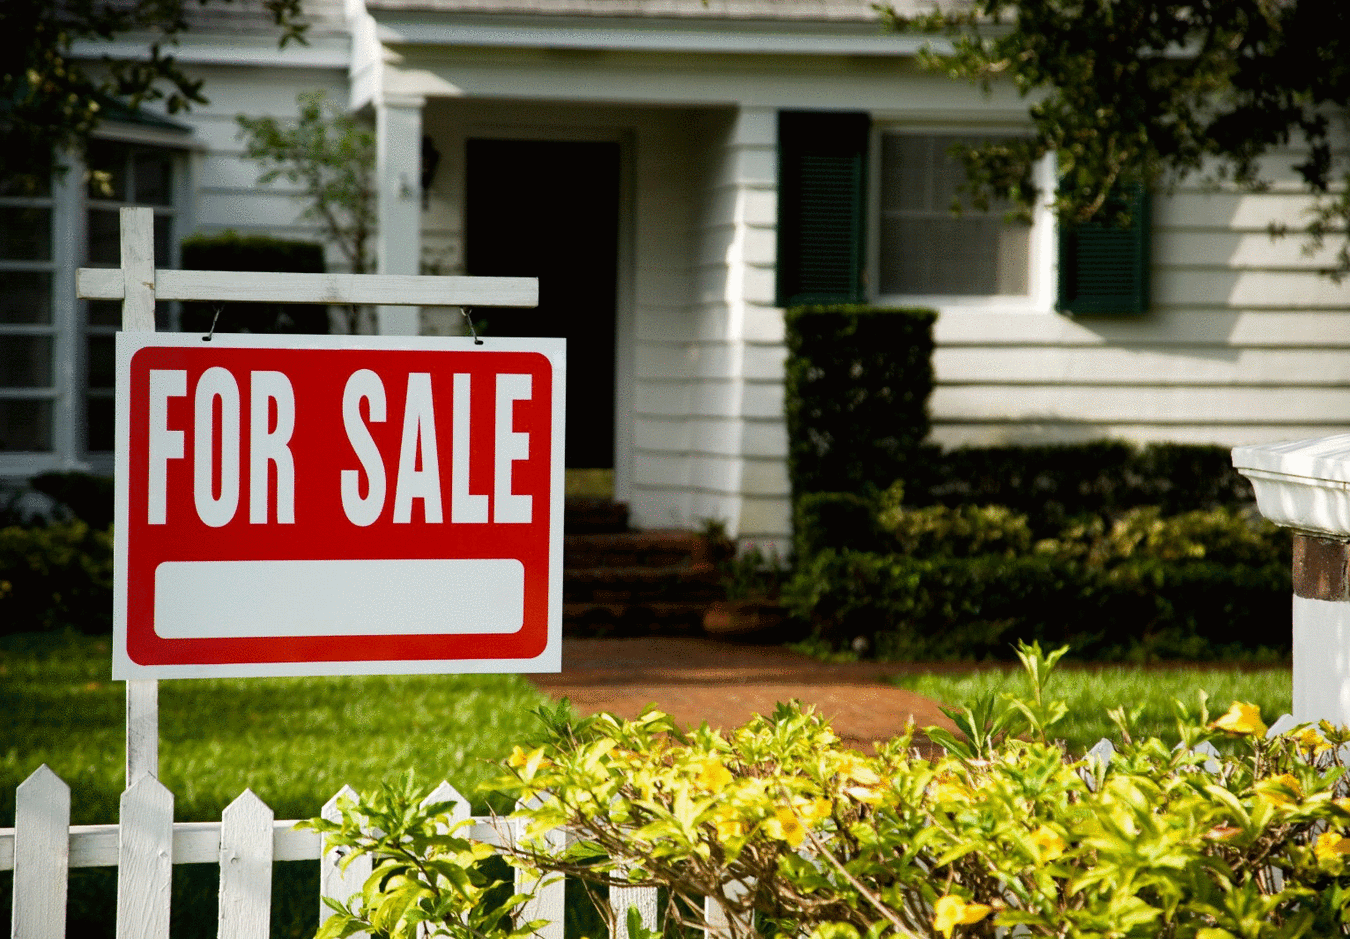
(677, 172)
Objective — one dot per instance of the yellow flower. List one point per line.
(1331, 846)
(949, 789)
(854, 767)
(1242, 718)
(530, 761)
(1279, 790)
(951, 911)
(812, 810)
(1311, 739)
(712, 775)
(1048, 843)
(728, 823)
(785, 826)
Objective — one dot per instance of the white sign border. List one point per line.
(549, 660)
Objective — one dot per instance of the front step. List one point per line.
(637, 583)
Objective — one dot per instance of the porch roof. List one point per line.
(819, 11)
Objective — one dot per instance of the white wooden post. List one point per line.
(41, 856)
(138, 315)
(245, 869)
(144, 861)
(1305, 485)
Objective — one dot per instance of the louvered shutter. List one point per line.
(1103, 266)
(821, 190)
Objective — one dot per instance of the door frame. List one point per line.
(625, 331)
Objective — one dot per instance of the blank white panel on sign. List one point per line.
(250, 599)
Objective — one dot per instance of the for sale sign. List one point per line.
(308, 505)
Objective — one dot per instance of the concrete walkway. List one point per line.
(697, 680)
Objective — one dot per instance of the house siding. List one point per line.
(1245, 342)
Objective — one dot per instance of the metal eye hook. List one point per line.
(472, 332)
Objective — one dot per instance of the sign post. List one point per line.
(311, 505)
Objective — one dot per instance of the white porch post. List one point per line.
(398, 162)
(1305, 485)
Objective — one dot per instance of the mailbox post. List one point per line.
(1304, 485)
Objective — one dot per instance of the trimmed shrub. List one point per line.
(834, 520)
(230, 251)
(857, 386)
(977, 607)
(56, 577)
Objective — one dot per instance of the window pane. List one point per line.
(25, 233)
(25, 361)
(98, 428)
(163, 240)
(153, 171)
(25, 296)
(99, 361)
(105, 313)
(25, 425)
(107, 162)
(105, 237)
(925, 249)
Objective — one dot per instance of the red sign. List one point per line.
(337, 505)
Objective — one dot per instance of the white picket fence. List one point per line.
(43, 846)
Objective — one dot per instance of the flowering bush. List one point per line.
(791, 833)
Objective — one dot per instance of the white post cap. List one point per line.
(1301, 484)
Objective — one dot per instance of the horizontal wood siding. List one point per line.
(1245, 343)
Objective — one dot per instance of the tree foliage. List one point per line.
(1147, 92)
(330, 155)
(51, 100)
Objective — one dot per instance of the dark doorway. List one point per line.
(550, 209)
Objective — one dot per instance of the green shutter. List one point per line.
(1104, 266)
(822, 184)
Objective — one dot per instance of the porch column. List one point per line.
(1305, 485)
(398, 167)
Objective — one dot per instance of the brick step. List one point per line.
(654, 618)
(594, 516)
(660, 548)
(641, 584)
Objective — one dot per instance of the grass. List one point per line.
(1148, 693)
(293, 741)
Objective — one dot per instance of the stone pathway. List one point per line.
(696, 680)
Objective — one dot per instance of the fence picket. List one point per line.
(145, 861)
(448, 793)
(334, 882)
(644, 899)
(245, 868)
(547, 902)
(41, 856)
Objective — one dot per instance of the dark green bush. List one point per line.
(1053, 485)
(87, 497)
(834, 520)
(230, 251)
(56, 577)
(977, 607)
(857, 387)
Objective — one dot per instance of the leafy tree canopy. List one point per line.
(51, 101)
(1146, 92)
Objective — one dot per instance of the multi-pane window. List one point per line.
(27, 322)
(927, 250)
(56, 354)
(120, 175)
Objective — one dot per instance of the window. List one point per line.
(27, 321)
(56, 354)
(925, 250)
(121, 175)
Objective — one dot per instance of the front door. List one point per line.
(550, 209)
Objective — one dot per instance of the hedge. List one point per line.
(56, 577)
(856, 395)
(978, 607)
(230, 251)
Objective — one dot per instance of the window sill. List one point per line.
(946, 303)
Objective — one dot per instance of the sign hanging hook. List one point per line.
(468, 318)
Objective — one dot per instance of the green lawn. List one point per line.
(1148, 692)
(293, 741)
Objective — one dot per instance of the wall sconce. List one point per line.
(431, 161)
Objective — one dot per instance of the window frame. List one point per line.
(1042, 247)
(70, 325)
